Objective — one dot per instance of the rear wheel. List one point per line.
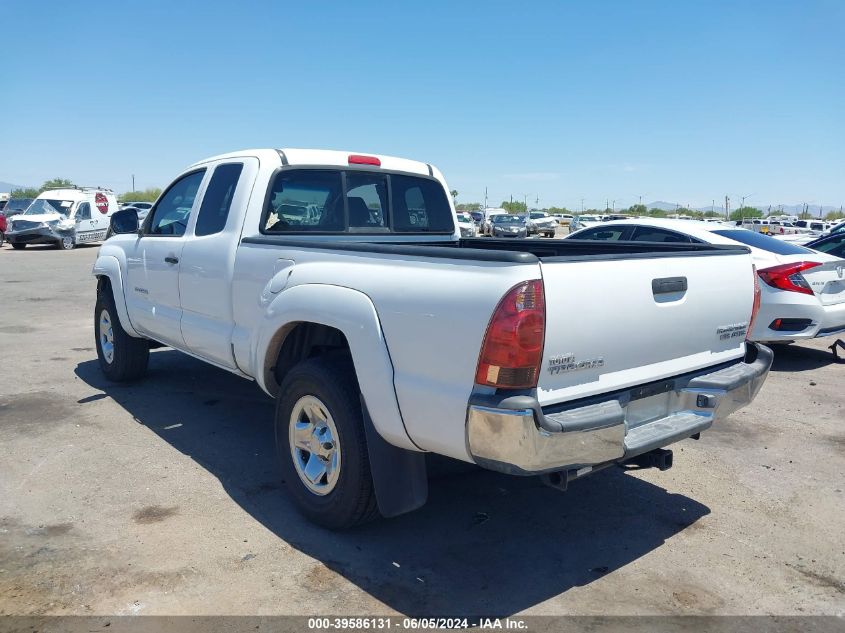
(321, 444)
(122, 357)
(18, 246)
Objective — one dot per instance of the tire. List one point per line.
(341, 493)
(128, 356)
(66, 243)
(2, 238)
(18, 246)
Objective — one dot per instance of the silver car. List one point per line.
(508, 226)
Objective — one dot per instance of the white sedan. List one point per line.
(803, 291)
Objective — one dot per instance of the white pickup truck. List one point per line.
(340, 284)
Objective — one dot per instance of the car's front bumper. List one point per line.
(37, 235)
(515, 435)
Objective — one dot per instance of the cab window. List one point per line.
(217, 199)
(305, 200)
(83, 212)
(420, 205)
(170, 215)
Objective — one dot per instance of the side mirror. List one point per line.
(124, 222)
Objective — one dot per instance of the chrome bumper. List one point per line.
(517, 437)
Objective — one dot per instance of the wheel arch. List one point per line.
(110, 279)
(310, 318)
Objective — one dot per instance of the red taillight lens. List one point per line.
(789, 277)
(513, 345)
(360, 159)
(755, 307)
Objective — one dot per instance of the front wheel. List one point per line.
(122, 357)
(66, 243)
(321, 444)
(18, 246)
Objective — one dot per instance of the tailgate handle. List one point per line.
(668, 285)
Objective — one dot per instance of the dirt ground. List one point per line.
(162, 497)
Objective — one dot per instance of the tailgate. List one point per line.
(613, 324)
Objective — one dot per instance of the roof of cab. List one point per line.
(325, 157)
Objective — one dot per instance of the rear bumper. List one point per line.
(515, 436)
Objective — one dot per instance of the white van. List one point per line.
(64, 217)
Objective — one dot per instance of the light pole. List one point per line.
(614, 206)
(582, 205)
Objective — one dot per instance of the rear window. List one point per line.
(763, 242)
(359, 201)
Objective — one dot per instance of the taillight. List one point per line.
(513, 345)
(788, 277)
(360, 159)
(755, 307)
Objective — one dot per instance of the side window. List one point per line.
(833, 247)
(610, 233)
(84, 211)
(420, 205)
(170, 215)
(217, 199)
(366, 197)
(304, 200)
(652, 234)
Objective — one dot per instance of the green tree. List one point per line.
(147, 195)
(514, 207)
(657, 213)
(27, 192)
(560, 210)
(57, 183)
(468, 206)
(637, 209)
(454, 194)
(834, 215)
(746, 212)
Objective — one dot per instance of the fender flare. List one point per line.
(352, 313)
(108, 266)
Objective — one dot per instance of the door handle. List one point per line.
(668, 285)
(171, 260)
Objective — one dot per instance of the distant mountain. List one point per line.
(6, 187)
(776, 209)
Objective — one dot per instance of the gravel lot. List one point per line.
(163, 498)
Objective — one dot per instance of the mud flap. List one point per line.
(399, 476)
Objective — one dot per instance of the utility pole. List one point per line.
(582, 205)
(713, 206)
(614, 206)
(727, 208)
(485, 197)
(133, 182)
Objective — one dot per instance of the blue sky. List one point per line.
(676, 101)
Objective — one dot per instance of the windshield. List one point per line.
(507, 219)
(43, 206)
(588, 218)
(464, 217)
(763, 242)
(539, 214)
